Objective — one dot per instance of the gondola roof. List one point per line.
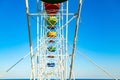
(54, 1)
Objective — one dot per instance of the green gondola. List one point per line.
(54, 1)
(52, 49)
(52, 20)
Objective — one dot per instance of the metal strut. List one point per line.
(75, 38)
(37, 38)
(30, 39)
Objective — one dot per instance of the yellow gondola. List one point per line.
(51, 34)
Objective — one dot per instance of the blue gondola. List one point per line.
(51, 64)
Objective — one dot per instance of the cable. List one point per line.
(90, 60)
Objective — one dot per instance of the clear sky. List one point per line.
(98, 37)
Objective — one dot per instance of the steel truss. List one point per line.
(39, 59)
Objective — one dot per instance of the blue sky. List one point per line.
(98, 37)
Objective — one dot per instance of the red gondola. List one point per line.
(51, 27)
(50, 56)
(51, 41)
(51, 9)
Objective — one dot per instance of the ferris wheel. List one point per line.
(50, 60)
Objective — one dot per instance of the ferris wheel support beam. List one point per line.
(30, 38)
(41, 14)
(66, 36)
(37, 38)
(75, 38)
